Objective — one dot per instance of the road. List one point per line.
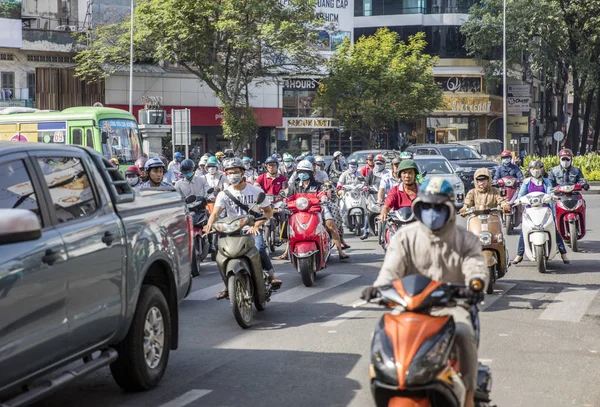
(310, 347)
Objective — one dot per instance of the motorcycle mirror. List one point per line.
(210, 191)
(424, 173)
(190, 199)
(261, 198)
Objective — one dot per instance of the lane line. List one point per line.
(205, 293)
(491, 299)
(570, 305)
(186, 398)
(341, 318)
(321, 284)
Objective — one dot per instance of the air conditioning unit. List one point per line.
(152, 117)
(66, 28)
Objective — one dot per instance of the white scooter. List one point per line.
(539, 231)
(354, 207)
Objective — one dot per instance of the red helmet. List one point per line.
(506, 153)
(370, 157)
(565, 152)
(379, 158)
(132, 170)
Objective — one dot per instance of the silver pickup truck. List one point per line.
(91, 272)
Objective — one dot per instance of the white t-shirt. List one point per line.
(248, 196)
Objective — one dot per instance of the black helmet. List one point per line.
(187, 165)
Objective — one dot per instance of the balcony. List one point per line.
(20, 97)
(365, 8)
(49, 40)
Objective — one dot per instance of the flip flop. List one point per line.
(276, 284)
(345, 246)
(223, 294)
(344, 257)
(282, 257)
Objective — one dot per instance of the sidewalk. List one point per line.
(594, 188)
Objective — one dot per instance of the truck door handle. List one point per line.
(51, 257)
(108, 238)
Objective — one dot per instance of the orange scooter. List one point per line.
(412, 358)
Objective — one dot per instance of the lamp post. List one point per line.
(131, 63)
(504, 84)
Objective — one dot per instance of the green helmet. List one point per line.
(212, 162)
(406, 165)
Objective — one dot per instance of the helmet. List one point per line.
(246, 160)
(278, 156)
(203, 160)
(379, 158)
(536, 163)
(287, 157)
(481, 172)
(436, 190)
(506, 153)
(406, 165)
(406, 154)
(207, 155)
(304, 165)
(219, 154)
(177, 155)
(229, 153)
(565, 152)
(396, 161)
(114, 161)
(132, 170)
(187, 165)
(141, 162)
(271, 160)
(234, 162)
(352, 162)
(154, 163)
(370, 157)
(320, 159)
(299, 158)
(310, 159)
(164, 160)
(337, 154)
(212, 161)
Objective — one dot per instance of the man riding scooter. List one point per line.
(191, 184)
(155, 169)
(436, 248)
(566, 173)
(373, 179)
(484, 195)
(507, 169)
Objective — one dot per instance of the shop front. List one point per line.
(319, 136)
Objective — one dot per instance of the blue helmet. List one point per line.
(271, 160)
(154, 163)
(246, 160)
(177, 155)
(310, 159)
(436, 190)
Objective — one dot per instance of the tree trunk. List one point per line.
(586, 120)
(597, 123)
(573, 134)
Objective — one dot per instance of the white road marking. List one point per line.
(341, 318)
(492, 298)
(206, 293)
(321, 284)
(187, 398)
(570, 305)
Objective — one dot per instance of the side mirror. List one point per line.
(261, 198)
(104, 136)
(190, 199)
(424, 173)
(503, 192)
(210, 191)
(18, 225)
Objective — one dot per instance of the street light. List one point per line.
(131, 63)
(505, 87)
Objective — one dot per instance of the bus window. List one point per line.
(76, 137)
(120, 139)
(89, 137)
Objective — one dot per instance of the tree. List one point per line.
(227, 44)
(379, 80)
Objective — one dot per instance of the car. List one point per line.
(329, 160)
(488, 148)
(361, 156)
(92, 271)
(439, 166)
(464, 159)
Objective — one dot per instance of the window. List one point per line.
(120, 139)
(76, 135)
(89, 138)
(69, 186)
(31, 85)
(7, 85)
(16, 190)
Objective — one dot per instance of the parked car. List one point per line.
(438, 166)
(361, 156)
(91, 270)
(488, 148)
(465, 160)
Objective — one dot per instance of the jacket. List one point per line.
(490, 198)
(547, 188)
(451, 254)
(569, 176)
(510, 170)
(197, 186)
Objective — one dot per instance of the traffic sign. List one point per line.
(559, 135)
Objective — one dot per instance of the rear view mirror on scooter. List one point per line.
(210, 191)
(261, 198)
(190, 199)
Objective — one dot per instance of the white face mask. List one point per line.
(133, 181)
(212, 170)
(536, 173)
(234, 179)
(353, 168)
(288, 164)
(565, 164)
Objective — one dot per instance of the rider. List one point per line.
(249, 172)
(484, 194)
(237, 195)
(213, 177)
(175, 165)
(405, 192)
(538, 183)
(320, 163)
(335, 168)
(566, 173)
(351, 176)
(389, 181)
(133, 176)
(220, 155)
(288, 167)
(190, 183)
(306, 184)
(373, 179)
(270, 181)
(436, 248)
(201, 171)
(168, 176)
(507, 169)
(320, 176)
(155, 169)
(369, 167)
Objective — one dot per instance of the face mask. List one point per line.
(288, 164)
(380, 167)
(536, 173)
(247, 165)
(353, 168)
(506, 161)
(212, 170)
(188, 175)
(179, 159)
(434, 218)
(133, 181)
(565, 164)
(234, 179)
(303, 176)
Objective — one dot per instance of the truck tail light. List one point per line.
(190, 225)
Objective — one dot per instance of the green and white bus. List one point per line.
(112, 132)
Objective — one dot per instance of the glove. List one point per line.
(369, 293)
(474, 293)
(586, 187)
(462, 211)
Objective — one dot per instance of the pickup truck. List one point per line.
(91, 272)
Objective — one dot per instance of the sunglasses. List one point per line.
(425, 205)
(483, 179)
(565, 159)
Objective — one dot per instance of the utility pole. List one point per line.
(504, 84)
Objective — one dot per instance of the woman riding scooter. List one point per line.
(538, 183)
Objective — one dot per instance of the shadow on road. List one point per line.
(589, 246)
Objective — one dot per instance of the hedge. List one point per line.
(589, 164)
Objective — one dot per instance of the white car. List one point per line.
(439, 166)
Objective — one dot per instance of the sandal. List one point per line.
(345, 245)
(276, 284)
(223, 294)
(284, 256)
(343, 256)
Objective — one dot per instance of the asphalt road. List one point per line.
(540, 334)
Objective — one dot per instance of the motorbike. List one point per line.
(310, 243)
(412, 358)
(570, 213)
(197, 207)
(272, 228)
(238, 260)
(487, 225)
(394, 221)
(509, 187)
(373, 210)
(539, 233)
(353, 199)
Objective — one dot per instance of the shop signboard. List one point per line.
(517, 124)
(458, 83)
(300, 84)
(308, 123)
(516, 105)
(518, 90)
(11, 31)
(473, 105)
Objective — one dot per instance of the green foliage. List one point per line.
(239, 125)
(589, 164)
(10, 9)
(378, 80)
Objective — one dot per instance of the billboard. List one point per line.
(11, 34)
(339, 20)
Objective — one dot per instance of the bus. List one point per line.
(112, 132)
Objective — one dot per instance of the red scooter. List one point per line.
(509, 187)
(570, 213)
(310, 243)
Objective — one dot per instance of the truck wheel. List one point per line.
(573, 236)
(144, 353)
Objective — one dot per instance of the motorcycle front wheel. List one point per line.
(540, 259)
(306, 270)
(507, 225)
(240, 297)
(492, 273)
(573, 236)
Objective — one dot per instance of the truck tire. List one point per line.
(138, 368)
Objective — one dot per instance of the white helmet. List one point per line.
(203, 160)
(337, 154)
(304, 165)
(319, 159)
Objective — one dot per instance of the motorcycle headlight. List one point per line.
(382, 356)
(432, 356)
(459, 186)
(509, 182)
(485, 238)
(302, 203)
